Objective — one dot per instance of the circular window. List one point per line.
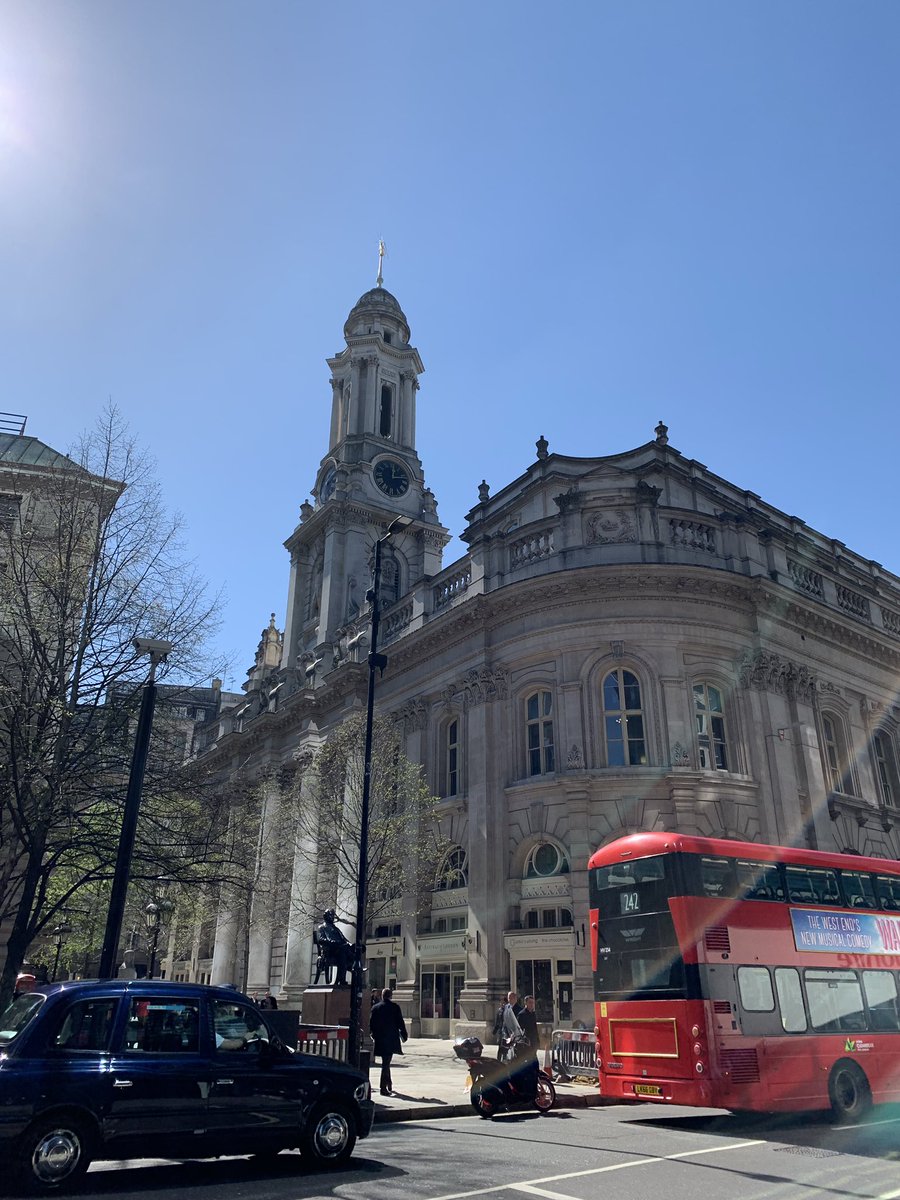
(546, 859)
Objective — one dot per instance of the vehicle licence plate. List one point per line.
(647, 1089)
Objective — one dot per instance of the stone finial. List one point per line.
(542, 445)
(306, 510)
(662, 434)
(484, 491)
(429, 504)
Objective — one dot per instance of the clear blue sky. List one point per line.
(597, 215)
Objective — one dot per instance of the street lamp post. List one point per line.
(61, 932)
(377, 662)
(157, 651)
(154, 913)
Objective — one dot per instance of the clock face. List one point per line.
(327, 486)
(391, 477)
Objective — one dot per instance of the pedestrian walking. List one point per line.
(497, 1030)
(527, 1018)
(268, 1002)
(388, 1032)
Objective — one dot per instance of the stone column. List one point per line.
(263, 902)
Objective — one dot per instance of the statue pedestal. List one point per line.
(326, 1004)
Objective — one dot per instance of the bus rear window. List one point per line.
(629, 874)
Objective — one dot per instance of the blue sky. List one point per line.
(597, 215)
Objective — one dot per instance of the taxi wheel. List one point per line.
(52, 1152)
(849, 1092)
(329, 1135)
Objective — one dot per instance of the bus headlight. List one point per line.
(695, 1031)
(698, 1049)
(699, 1068)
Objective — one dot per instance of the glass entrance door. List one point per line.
(441, 984)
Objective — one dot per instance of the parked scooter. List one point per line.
(515, 1083)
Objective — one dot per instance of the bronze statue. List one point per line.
(335, 957)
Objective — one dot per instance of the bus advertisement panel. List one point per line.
(736, 975)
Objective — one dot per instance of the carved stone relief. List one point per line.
(478, 686)
(769, 672)
(611, 527)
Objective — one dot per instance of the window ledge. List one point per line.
(842, 804)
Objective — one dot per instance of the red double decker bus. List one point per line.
(735, 975)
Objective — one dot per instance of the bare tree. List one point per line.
(90, 560)
(405, 844)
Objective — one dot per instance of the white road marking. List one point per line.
(536, 1191)
(524, 1184)
(889, 1195)
(863, 1125)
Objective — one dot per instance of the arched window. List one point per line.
(539, 733)
(712, 743)
(885, 767)
(451, 758)
(385, 412)
(546, 859)
(454, 872)
(834, 748)
(623, 720)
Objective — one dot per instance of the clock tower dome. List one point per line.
(370, 475)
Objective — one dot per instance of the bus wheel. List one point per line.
(849, 1091)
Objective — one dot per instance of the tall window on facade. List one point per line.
(710, 714)
(454, 871)
(385, 412)
(539, 726)
(451, 758)
(389, 588)
(835, 753)
(885, 767)
(623, 720)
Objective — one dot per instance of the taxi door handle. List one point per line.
(123, 1083)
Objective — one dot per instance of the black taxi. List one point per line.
(120, 1069)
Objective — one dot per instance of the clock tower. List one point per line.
(370, 475)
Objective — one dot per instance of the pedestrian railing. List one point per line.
(572, 1052)
(330, 1041)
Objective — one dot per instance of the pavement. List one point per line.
(430, 1082)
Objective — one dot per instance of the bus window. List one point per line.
(755, 988)
(881, 996)
(790, 1000)
(858, 890)
(812, 885)
(759, 880)
(835, 1000)
(716, 877)
(888, 890)
(646, 874)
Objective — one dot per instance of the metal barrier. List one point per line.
(330, 1041)
(572, 1052)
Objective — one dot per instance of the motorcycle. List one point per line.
(517, 1082)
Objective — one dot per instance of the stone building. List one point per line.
(630, 642)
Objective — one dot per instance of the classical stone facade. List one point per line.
(630, 642)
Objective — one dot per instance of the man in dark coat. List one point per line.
(388, 1030)
(528, 1020)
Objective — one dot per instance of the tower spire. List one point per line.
(379, 282)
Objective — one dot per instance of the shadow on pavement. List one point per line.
(221, 1174)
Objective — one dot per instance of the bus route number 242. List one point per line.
(631, 902)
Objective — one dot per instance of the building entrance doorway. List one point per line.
(549, 980)
(441, 984)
